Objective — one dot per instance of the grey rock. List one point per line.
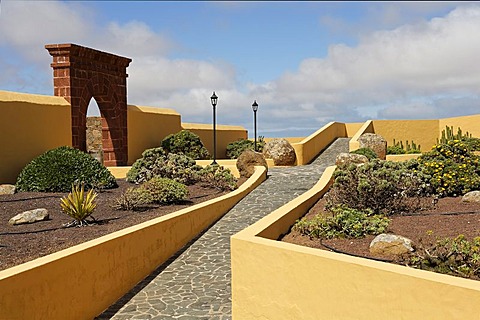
(30, 216)
(348, 158)
(7, 189)
(390, 245)
(472, 196)
(281, 151)
(375, 142)
(247, 161)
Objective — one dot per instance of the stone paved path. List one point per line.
(195, 283)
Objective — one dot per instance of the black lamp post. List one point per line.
(255, 108)
(214, 99)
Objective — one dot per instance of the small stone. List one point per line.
(472, 196)
(375, 142)
(30, 216)
(390, 245)
(281, 151)
(348, 158)
(7, 189)
(247, 161)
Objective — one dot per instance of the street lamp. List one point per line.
(255, 108)
(214, 99)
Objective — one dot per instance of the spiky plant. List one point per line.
(78, 206)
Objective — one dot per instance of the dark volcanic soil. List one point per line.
(449, 218)
(26, 242)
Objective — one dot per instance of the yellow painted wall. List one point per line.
(147, 126)
(82, 281)
(225, 135)
(466, 123)
(366, 127)
(352, 128)
(29, 126)
(422, 132)
(273, 280)
(307, 149)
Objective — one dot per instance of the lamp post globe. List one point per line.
(214, 100)
(255, 109)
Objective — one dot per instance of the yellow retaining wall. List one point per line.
(147, 126)
(422, 132)
(225, 135)
(466, 123)
(307, 149)
(367, 127)
(82, 281)
(30, 125)
(277, 280)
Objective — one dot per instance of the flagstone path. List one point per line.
(195, 283)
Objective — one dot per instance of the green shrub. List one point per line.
(79, 206)
(187, 143)
(395, 150)
(57, 169)
(450, 169)
(385, 187)
(165, 191)
(235, 149)
(367, 152)
(399, 148)
(457, 256)
(345, 223)
(218, 177)
(156, 162)
(133, 199)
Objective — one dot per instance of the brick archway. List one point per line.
(81, 73)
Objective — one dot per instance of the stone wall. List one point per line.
(94, 134)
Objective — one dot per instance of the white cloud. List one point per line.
(425, 59)
(425, 68)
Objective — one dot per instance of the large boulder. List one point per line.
(281, 151)
(472, 196)
(247, 161)
(375, 142)
(348, 158)
(30, 216)
(390, 245)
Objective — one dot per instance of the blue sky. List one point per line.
(306, 63)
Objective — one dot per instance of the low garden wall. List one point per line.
(84, 280)
(279, 280)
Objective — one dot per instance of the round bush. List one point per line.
(164, 190)
(187, 143)
(57, 169)
(157, 163)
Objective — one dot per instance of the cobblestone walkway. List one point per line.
(195, 283)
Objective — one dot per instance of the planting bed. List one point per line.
(22, 243)
(449, 218)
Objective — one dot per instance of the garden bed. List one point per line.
(449, 218)
(22, 243)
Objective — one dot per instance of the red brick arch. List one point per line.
(81, 73)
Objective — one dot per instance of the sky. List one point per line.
(305, 63)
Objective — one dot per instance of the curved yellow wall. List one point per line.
(82, 281)
(273, 280)
(29, 126)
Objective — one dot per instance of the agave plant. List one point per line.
(78, 206)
